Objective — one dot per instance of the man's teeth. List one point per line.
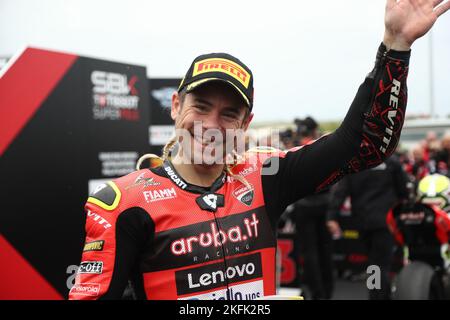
(202, 140)
(205, 141)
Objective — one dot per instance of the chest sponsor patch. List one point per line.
(86, 289)
(244, 194)
(246, 291)
(159, 194)
(217, 275)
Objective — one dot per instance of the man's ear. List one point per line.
(247, 121)
(176, 106)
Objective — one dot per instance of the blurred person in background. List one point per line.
(417, 167)
(429, 145)
(373, 193)
(313, 239)
(158, 226)
(442, 157)
(288, 139)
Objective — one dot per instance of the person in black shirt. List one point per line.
(373, 193)
(313, 239)
(162, 227)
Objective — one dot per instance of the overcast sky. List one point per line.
(307, 57)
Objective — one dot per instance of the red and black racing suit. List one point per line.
(149, 227)
(423, 228)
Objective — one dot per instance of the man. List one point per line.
(198, 227)
(418, 167)
(373, 193)
(312, 236)
(307, 129)
(442, 158)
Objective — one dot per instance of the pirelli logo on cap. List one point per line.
(222, 65)
(94, 246)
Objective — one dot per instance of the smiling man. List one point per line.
(201, 224)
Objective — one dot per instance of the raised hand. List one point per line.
(408, 20)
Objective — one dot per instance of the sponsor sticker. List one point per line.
(222, 65)
(216, 275)
(160, 194)
(93, 267)
(244, 194)
(144, 182)
(86, 289)
(94, 246)
(216, 238)
(247, 291)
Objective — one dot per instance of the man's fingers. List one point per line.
(442, 8)
(391, 3)
(436, 2)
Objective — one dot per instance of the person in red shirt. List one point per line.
(201, 224)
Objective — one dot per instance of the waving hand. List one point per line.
(408, 20)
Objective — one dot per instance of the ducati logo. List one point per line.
(210, 201)
(244, 195)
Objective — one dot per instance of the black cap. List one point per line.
(220, 67)
(310, 123)
(305, 127)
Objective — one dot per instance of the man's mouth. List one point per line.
(205, 141)
(200, 140)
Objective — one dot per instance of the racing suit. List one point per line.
(174, 240)
(422, 228)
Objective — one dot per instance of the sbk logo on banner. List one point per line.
(213, 276)
(114, 97)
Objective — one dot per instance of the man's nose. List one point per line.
(212, 120)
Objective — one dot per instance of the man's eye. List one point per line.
(200, 108)
(232, 115)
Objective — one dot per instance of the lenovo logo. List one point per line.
(216, 275)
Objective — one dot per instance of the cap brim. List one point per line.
(196, 84)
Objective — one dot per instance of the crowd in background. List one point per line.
(431, 155)
(375, 192)
(428, 156)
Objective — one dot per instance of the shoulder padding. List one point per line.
(106, 196)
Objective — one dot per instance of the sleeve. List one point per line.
(442, 224)
(367, 136)
(393, 228)
(114, 239)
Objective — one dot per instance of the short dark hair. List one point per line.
(305, 127)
